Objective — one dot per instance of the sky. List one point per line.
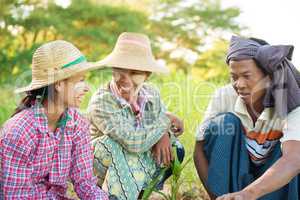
(276, 21)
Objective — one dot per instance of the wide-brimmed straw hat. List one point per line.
(133, 51)
(55, 61)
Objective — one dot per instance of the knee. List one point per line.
(222, 124)
(102, 155)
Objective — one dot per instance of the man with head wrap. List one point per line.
(249, 142)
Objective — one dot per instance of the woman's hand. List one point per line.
(162, 151)
(177, 125)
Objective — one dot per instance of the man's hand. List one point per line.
(162, 151)
(177, 125)
(242, 195)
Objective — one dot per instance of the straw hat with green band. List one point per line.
(56, 61)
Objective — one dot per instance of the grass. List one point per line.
(186, 96)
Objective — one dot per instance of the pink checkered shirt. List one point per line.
(36, 163)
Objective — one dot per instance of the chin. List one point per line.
(75, 104)
(247, 101)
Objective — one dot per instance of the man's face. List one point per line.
(248, 80)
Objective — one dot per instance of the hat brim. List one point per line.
(61, 75)
(132, 62)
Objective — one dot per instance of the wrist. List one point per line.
(252, 193)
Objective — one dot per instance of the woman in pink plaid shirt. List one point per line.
(46, 142)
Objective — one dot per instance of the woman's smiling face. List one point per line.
(129, 80)
(73, 90)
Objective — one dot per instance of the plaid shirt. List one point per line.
(114, 117)
(36, 163)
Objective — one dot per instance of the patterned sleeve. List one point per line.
(81, 172)
(106, 116)
(16, 180)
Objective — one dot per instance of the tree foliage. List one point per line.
(178, 29)
(189, 24)
(211, 64)
(93, 28)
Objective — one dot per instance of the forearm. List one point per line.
(133, 143)
(200, 162)
(275, 177)
(21, 187)
(201, 165)
(138, 139)
(16, 181)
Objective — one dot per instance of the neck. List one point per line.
(256, 109)
(53, 112)
(258, 106)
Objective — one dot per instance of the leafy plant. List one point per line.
(177, 169)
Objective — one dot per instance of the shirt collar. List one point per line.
(241, 108)
(143, 96)
(42, 121)
(267, 114)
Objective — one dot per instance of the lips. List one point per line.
(244, 95)
(125, 89)
(80, 97)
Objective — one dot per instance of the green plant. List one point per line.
(177, 169)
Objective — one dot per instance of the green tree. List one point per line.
(188, 25)
(211, 64)
(174, 26)
(93, 28)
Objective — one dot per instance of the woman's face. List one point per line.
(248, 80)
(72, 90)
(128, 81)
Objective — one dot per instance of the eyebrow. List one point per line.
(243, 73)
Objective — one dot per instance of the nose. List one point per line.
(125, 79)
(240, 84)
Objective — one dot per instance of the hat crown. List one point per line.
(56, 61)
(134, 42)
(133, 52)
(134, 39)
(52, 56)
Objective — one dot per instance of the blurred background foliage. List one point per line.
(189, 36)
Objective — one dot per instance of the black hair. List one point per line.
(33, 95)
